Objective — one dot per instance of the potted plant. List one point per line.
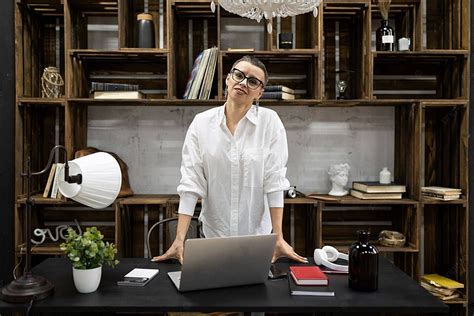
(88, 252)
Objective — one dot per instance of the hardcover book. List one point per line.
(377, 187)
(309, 290)
(441, 281)
(138, 277)
(278, 88)
(308, 275)
(375, 196)
(279, 95)
(118, 95)
(441, 190)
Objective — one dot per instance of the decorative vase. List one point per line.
(87, 280)
(385, 177)
(385, 37)
(145, 31)
(285, 40)
(363, 264)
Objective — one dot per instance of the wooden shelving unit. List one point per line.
(428, 88)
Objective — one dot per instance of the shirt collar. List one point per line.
(251, 115)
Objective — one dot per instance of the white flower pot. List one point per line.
(87, 281)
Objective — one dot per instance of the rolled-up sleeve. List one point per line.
(275, 181)
(193, 184)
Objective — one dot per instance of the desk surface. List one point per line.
(397, 293)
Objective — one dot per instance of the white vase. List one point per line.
(87, 280)
(385, 177)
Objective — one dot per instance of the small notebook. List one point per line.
(138, 277)
(309, 290)
(308, 275)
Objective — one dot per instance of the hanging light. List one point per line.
(268, 9)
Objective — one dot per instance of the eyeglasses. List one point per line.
(252, 82)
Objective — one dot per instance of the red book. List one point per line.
(308, 275)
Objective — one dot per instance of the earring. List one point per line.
(225, 92)
(257, 104)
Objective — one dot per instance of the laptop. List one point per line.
(224, 261)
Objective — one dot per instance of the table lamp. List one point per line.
(96, 183)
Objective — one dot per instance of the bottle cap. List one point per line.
(145, 16)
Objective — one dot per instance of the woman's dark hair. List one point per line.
(256, 62)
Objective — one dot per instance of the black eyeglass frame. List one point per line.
(245, 77)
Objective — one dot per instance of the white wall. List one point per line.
(149, 140)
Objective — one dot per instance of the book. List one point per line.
(377, 187)
(309, 290)
(278, 88)
(436, 289)
(279, 95)
(442, 197)
(118, 95)
(108, 86)
(138, 277)
(241, 50)
(308, 275)
(54, 189)
(441, 190)
(192, 75)
(49, 182)
(441, 281)
(375, 196)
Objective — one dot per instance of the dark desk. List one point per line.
(397, 293)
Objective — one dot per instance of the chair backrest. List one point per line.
(167, 234)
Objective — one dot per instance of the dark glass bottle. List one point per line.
(363, 264)
(145, 31)
(385, 37)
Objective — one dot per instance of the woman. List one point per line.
(234, 158)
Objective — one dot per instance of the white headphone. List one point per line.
(327, 256)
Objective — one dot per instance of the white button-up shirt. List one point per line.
(237, 176)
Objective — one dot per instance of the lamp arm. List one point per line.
(70, 179)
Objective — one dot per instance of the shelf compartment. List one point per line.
(42, 128)
(237, 32)
(340, 223)
(305, 29)
(447, 24)
(345, 48)
(446, 241)
(405, 17)
(92, 24)
(194, 28)
(52, 215)
(148, 69)
(128, 12)
(294, 69)
(445, 146)
(420, 75)
(41, 26)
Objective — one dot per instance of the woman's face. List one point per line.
(240, 92)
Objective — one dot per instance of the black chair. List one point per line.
(168, 232)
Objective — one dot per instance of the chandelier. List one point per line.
(256, 9)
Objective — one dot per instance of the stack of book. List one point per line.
(201, 79)
(308, 280)
(51, 189)
(278, 92)
(442, 287)
(441, 193)
(368, 190)
(107, 90)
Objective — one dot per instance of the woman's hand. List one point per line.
(174, 252)
(283, 249)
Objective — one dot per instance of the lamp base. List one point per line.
(26, 288)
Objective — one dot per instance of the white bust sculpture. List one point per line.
(338, 175)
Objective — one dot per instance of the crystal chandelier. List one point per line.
(256, 9)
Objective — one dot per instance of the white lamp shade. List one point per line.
(101, 180)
